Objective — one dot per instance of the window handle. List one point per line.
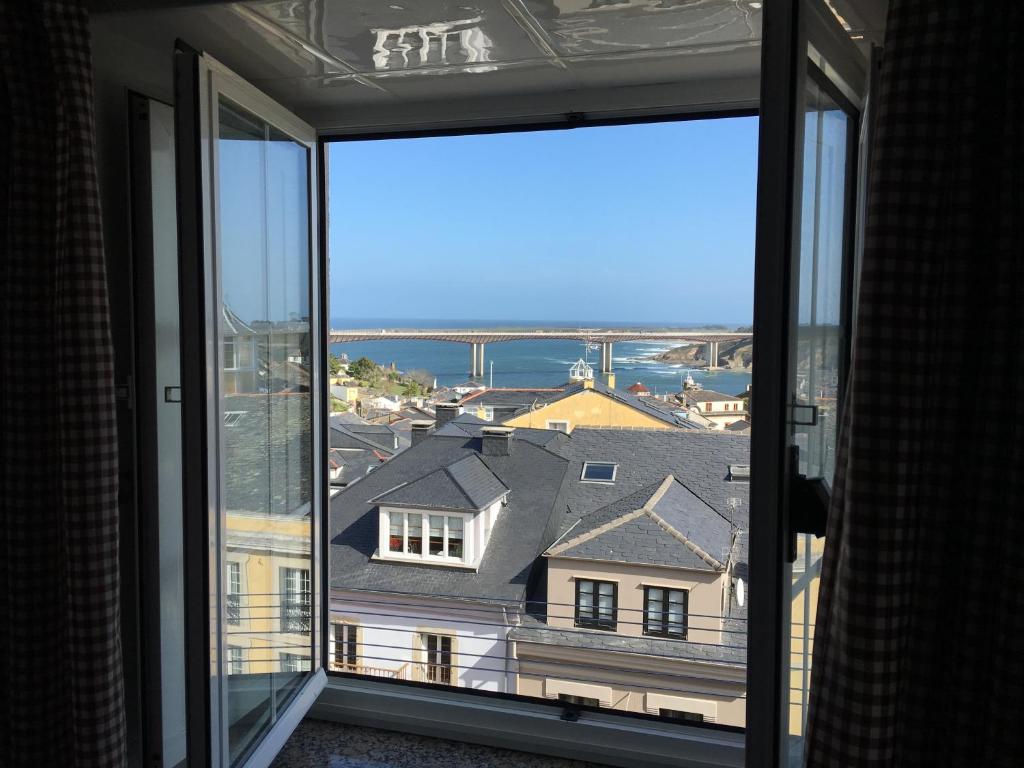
(808, 504)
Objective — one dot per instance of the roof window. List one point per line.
(599, 472)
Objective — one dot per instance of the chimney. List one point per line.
(445, 412)
(421, 430)
(496, 441)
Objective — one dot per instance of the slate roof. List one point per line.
(468, 425)
(278, 425)
(520, 533)
(739, 426)
(466, 485)
(699, 459)
(378, 435)
(707, 396)
(343, 436)
(664, 523)
(517, 398)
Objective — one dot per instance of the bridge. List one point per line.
(477, 338)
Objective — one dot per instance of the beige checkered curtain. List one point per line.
(919, 645)
(60, 658)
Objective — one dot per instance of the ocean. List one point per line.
(531, 363)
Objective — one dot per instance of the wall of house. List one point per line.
(705, 598)
(587, 408)
(389, 637)
(635, 683)
(258, 632)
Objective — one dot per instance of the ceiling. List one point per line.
(329, 59)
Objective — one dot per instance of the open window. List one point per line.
(262, 620)
(252, 395)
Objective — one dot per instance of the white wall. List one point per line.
(389, 628)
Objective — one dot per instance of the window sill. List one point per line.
(407, 560)
(526, 726)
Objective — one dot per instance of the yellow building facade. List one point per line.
(587, 407)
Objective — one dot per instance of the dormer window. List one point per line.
(446, 534)
(444, 517)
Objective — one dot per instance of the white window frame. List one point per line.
(551, 424)
(235, 664)
(588, 464)
(384, 545)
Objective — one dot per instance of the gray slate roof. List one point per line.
(466, 485)
(517, 398)
(519, 535)
(666, 508)
(267, 455)
(468, 425)
(707, 396)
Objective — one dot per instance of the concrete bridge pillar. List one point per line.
(476, 354)
(712, 351)
(606, 356)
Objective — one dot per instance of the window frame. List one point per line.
(385, 552)
(349, 645)
(588, 464)
(665, 603)
(594, 621)
(661, 743)
(552, 422)
(444, 668)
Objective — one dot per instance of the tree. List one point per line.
(412, 389)
(333, 364)
(365, 370)
(424, 378)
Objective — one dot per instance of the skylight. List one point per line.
(599, 472)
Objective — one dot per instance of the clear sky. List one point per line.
(646, 223)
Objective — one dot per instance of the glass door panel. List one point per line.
(258, 338)
(264, 248)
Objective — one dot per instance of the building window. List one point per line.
(579, 701)
(295, 600)
(414, 541)
(678, 714)
(596, 604)
(561, 426)
(293, 662)
(346, 636)
(665, 611)
(234, 660)
(599, 472)
(233, 603)
(397, 521)
(439, 658)
(708, 406)
(446, 535)
(231, 418)
(238, 354)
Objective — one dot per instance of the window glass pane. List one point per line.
(415, 533)
(395, 533)
(267, 460)
(436, 534)
(598, 471)
(820, 349)
(455, 537)
(819, 333)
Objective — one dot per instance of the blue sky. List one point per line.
(645, 223)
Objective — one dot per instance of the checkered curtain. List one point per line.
(60, 658)
(918, 648)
